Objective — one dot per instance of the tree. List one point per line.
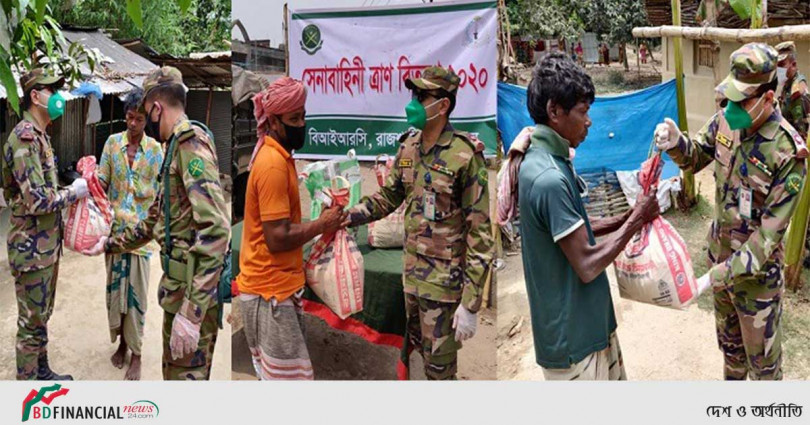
(30, 37)
(164, 27)
(544, 18)
(612, 19)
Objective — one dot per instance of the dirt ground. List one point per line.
(657, 343)
(79, 338)
(338, 355)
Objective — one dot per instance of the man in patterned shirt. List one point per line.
(128, 171)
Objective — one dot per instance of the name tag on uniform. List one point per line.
(429, 201)
(746, 197)
(405, 163)
(723, 140)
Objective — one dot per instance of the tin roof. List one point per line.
(120, 71)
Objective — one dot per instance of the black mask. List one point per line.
(152, 128)
(295, 136)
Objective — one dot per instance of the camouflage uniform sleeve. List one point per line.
(803, 121)
(479, 240)
(38, 196)
(212, 228)
(698, 152)
(384, 202)
(104, 171)
(776, 213)
(132, 238)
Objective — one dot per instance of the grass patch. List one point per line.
(616, 81)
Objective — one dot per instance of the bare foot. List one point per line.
(118, 357)
(134, 370)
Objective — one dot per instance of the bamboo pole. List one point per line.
(744, 35)
(687, 176)
(794, 246)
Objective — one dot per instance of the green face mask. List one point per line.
(415, 112)
(56, 106)
(737, 117)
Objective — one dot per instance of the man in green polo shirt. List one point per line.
(569, 297)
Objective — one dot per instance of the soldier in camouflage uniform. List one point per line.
(759, 171)
(794, 100)
(441, 176)
(36, 201)
(199, 230)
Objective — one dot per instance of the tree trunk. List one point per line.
(623, 54)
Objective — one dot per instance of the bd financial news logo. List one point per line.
(38, 405)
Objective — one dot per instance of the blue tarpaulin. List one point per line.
(631, 118)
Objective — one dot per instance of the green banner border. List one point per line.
(396, 11)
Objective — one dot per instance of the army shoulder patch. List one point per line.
(405, 163)
(793, 183)
(196, 167)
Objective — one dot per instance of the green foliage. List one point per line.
(544, 18)
(29, 38)
(204, 27)
(613, 19)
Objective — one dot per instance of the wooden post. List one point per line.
(688, 193)
(764, 13)
(208, 109)
(286, 41)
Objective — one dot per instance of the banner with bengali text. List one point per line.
(354, 63)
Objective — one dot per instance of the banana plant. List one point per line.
(29, 38)
(748, 9)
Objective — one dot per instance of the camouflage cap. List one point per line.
(162, 76)
(752, 65)
(39, 76)
(785, 49)
(435, 78)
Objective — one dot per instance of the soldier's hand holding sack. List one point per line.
(90, 218)
(334, 269)
(655, 267)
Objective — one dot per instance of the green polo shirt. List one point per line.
(570, 319)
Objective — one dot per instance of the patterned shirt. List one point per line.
(131, 191)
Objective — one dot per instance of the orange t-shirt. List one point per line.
(272, 194)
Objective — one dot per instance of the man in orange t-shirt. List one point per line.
(271, 278)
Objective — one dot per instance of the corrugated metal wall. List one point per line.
(220, 121)
(70, 137)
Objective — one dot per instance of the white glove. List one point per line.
(464, 323)
(704, 282)
(80, 186)
(667, 135)
(98, 248)
(185, 337)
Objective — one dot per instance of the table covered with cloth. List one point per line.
(382, 320)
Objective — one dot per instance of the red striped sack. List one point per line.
(334, 269)
(655, 267)
(390, 231)
(89, 218)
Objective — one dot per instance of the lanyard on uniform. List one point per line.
(167, 246)
(166, 185)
